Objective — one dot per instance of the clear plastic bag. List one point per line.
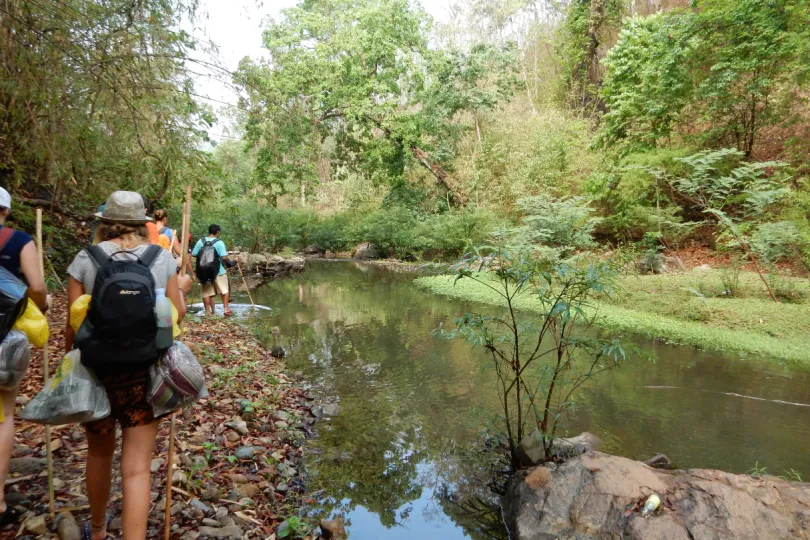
(176, 381)
(73, 395)
(14, 356)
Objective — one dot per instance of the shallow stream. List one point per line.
(396, 459)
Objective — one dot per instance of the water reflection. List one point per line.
(397, 460)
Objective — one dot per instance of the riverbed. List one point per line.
(396, 455)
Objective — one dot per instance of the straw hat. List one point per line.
(125, 207)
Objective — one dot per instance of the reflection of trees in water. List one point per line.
(409, 402)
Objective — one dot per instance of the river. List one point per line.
(397, 459)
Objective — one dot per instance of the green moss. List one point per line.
(688, 309)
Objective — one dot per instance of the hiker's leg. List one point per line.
(224, 288)
(208, 291)
(100, 449)
(136, 456)
(6, 441)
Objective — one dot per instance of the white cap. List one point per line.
(5, 198)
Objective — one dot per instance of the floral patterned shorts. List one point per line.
(128, 404)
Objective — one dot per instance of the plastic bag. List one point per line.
(74, 394)
(177, 380)
(12, 300)
(14, 356)
(78, 312)
(34, 324)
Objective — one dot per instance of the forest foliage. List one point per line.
(369, 121)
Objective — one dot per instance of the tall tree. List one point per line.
(358, 75)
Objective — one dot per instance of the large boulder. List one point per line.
(598, 496)
(313, 250)
(366, 251)
(659, 264)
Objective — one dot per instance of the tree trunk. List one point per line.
(438, 172)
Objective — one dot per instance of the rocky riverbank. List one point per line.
(269, 266)
(236, 468)
(597, 496)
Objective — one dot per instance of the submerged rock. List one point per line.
(598, 496)
(660, 461)
(333, 529)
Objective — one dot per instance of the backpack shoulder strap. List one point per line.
(98, 256)
(5, 235)
(151, 255)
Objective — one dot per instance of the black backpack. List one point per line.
(120, 329)
(208, 261)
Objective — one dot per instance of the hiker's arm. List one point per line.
(29, 262)
(173, 292)
(75, 290)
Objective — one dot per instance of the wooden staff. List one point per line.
(244, 282)
(172, 429)
(45, 369)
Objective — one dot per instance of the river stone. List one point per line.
(245, 452)
(333, 529)
(199, 462)
(156, 464)
(282, 415)
(282, 487)
(225, 532)
(237, 478)
(280, 424)
(66, 527)
(35, 524)
(660, 461)
(366, 251)
(586, 498)
(239, 427)
(14, 498)
(221, 514)
(208, 522)
(211, 493)
(249, 490)
(233, 437)
(331, 409)
(197, 504)
(26, 465)
(117, 523)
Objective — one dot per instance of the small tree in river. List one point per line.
(542, 356)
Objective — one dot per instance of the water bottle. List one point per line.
(651, 505)
(163, 312)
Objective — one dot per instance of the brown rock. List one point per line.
(237, 478)
(596, 496)
(233, 437)
(249, 490)
(333, 529)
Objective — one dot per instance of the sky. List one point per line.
(235, 27)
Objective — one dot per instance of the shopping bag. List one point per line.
(14, 356)
(177, 380)
(34, 324)
(74, 394)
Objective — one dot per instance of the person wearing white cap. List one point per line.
(18, 255)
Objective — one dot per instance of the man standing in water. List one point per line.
(212, 257)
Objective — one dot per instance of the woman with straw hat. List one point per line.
(121, 234)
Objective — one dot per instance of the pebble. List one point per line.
(266, 441)
(66, 527)
(156, 464)
(179, 477)
(224, 532)
(26, 465)
(197, 504)
(208, 522)
(237, 478)
(58, 484)
(245, 452)
(211, 493)
(190, 535)
(14, 498)
(280, 424)
(282, 487)
(281, 415)
(176, 509)
(233, 437)
(199, 462)
(116, 524)
(36, 525)
(221, 514)
(266, 428)
(249, 490)
(239, 427)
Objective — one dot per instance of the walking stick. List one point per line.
(244, 282)
(172, 429)
(45, 369)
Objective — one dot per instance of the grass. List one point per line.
(691, 309)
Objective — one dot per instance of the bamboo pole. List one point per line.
(172, 429)
(46, 375)
(244, 282)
